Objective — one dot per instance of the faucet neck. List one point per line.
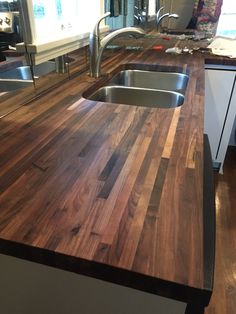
(163, 16)
(96, 30)
(160, 17)
(94, 43)
(96, 58)
(133, 31)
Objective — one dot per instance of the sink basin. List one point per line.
(21, 77)
(7, 85)
(24, 73)
(138, 96)
(151, 79)
(15, 79)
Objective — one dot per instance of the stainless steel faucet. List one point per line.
(97, 45)
(160, 17)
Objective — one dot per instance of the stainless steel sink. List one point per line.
(150, 79)
(7, 85)
(21, 77)
(138, 96)
(14, 79)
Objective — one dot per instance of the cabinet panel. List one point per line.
(233, 135)
(218, 90)
(30, 288)
(227, 129)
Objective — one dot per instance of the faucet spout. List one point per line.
(98, 46)
(160, 17)
(127, 31)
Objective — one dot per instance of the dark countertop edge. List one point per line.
(183, 293)
(209, 218)
(220, 60)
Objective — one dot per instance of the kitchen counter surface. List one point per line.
(106, 190)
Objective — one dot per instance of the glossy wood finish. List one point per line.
(223, 299)
(11, 101)
(110, 191)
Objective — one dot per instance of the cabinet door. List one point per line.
(232, 140)
(218, 92)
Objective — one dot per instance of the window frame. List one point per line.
(41, 51)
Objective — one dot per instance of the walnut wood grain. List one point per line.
(109, 190)
(12, 100)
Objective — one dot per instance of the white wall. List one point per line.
(29, 288)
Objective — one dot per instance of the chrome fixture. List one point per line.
(61, 64)
(160, 17)
(97, 45)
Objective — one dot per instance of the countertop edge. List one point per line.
(101, 271)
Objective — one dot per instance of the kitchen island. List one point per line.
(111, 191)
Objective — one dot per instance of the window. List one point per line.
(52, 28)
(55, 19)
(227, 24)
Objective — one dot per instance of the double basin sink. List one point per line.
(143, 86)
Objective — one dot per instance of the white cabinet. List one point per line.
(220, 109)
(27, 288)
(229, 123)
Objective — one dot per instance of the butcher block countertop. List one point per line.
(106, 190)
